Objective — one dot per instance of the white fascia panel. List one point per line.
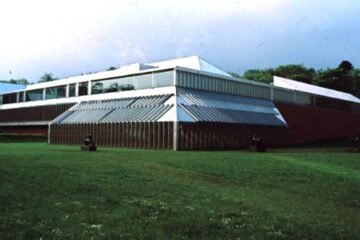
(192, 62)
(171, 101)
(170, 116)
(309, 88)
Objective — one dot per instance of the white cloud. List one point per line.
(92, 34)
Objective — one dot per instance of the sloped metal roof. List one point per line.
(218, 100)
(201, 106)
(209, 114)
(105, 104)
(149, 113)
(87, 116)
(205, 106)
(150, 101)
(150, 108)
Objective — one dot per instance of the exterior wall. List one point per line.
(222, 136)
(32, 114)
(146, 135)
(308, 124)
(26, 130)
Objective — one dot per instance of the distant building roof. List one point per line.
(304, 87)
(8, 87)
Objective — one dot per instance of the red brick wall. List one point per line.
(308, 124)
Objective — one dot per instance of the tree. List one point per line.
(345, 77)
(111, 68)
(265, 76)
(21, 81)
(335, 78)
(47, 77)
(346, 66)
(355, 74)
(295, 72)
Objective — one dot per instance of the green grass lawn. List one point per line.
(58, 192)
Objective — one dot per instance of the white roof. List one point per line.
(304, 87)
(193, 62)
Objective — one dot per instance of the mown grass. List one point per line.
(58, 192)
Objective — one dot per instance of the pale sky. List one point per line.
(70, 37)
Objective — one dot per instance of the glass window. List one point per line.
(97, 87)
(110, 86)
(72, 90)
(9, 98)
(34, 95)
(105, 86)
(163, 79)
(126, 83)
(143, 81)
(83, 88)
(21, 96)
(55, 92)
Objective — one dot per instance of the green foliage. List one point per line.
(111, 68)
(59, 192)
(21, 81)
(264, 76)
(346, 66)
(292, 71)
(344, 78)
(47, 77)
(295, 72)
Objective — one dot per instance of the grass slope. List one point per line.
(58, 192)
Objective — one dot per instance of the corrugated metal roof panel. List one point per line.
(208, 114)
(86, 116)
(150, 101)
(105, 104)
(137, 114)
(216, 100)
(122, 103)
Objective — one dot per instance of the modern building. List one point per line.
(180, 104)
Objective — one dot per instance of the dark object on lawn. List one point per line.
(355, 141)
(257, 144)
(89, 144)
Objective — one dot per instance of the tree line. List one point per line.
(345, 77)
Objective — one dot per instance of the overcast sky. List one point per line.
(70, 37)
